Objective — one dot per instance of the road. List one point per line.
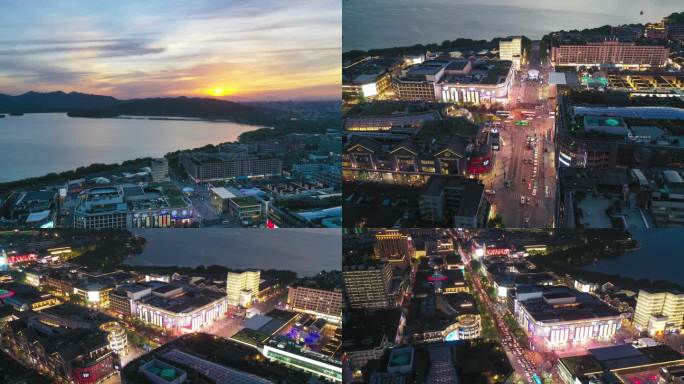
(524, 175)
(204, 212)
(517, 354)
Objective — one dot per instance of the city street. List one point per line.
(518, 355)
(524, 178)
(204, 212)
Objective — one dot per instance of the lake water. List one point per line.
(40, 143)
(306, 251)
(660, 257)
(390, 23)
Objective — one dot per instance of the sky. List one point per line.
(236, 50)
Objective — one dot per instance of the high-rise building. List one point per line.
(511, 49)
(318, 302)
(658, 312)
(203, 167)
(242, 287)
(368, 285)
(159, 169)
(610, 53)
(394, 247)
(100, 208)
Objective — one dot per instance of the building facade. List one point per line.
(610, 54)
(659, 312)
(368, 286)
(242, 287)
(318, 302)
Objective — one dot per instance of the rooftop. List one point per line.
(584, 307)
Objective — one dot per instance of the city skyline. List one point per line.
(232, 51)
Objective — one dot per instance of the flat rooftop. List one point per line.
(585, 307)
(187, 302)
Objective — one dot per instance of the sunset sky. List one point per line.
(238, 50)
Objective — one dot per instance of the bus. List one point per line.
(528, 113)
(536, 379)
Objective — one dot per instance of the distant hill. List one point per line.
(85, 105)
(54, 102)
(197, 107)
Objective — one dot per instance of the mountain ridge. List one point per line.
(77, 104)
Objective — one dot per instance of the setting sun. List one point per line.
(218, 92)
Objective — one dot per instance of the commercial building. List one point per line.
(116, 335)
(181, 310)
(659, 312)
(394, 247)
(511, 49)
(610, 54)
(456, 81)
(417, 82)
(100, 208)
(644, 143)
(367, 78)
(408, 162)
(78, 356)
(160, 372)
(368, 285)
(123, 300)
(247, 209)
(188, 357)
(667, 198)
(33, 208)
(299, 357)
(461, 197)
(398, 123)
(159, 169)
(132, 206)
(368, 334)
(560, 315)
(242, 288)
(318, 302)
(655, 31)
(203, 167)
(621, 364)
(220, 198)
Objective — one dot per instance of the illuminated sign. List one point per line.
(479, 164)
(452, 336)
(93, 296)
(13, 259)
(498, 251)
(4, 294)
(437, 276)
(369, 90)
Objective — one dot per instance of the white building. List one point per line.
(511, 49)
(181, 311)
(560, 316)
(658, 312)
(242, 287)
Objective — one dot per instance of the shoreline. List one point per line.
(123, 163)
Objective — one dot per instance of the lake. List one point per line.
(390, 23)
(306, 251)
(659, 257)
(39, 143)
